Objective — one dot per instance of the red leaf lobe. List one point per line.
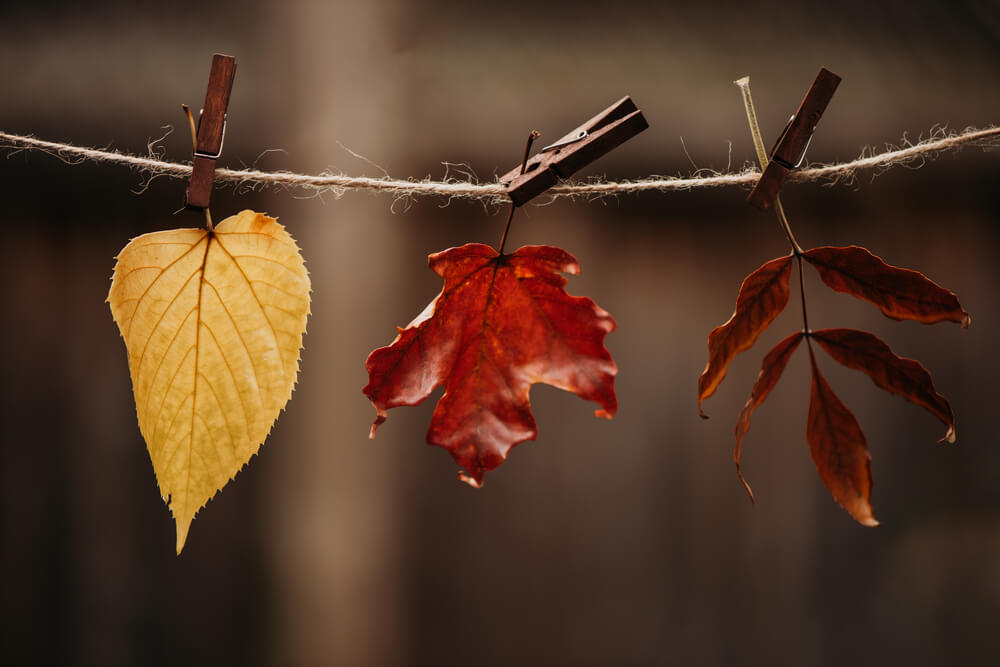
(901, 294)
(839, 449)
(908, 378)
(770, 372)
(762, 297)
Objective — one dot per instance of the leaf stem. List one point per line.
(194, 132)
(510, 216)
(758, 144)
(524, 163)
(802, 295)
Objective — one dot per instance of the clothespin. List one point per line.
(211, 131)
(790, 149)
(599, 135)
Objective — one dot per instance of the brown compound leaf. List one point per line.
(908, 378)
(901, 294)
(212, 322)
(762, 297)
(839, 449)
(770, 372)
(500, 324)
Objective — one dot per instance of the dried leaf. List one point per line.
(770, 372)
(900, 294)
(839, 450)
(500, 324)
(213, 323)
(762, 297)
(908, 378)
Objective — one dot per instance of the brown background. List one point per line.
(627, 542)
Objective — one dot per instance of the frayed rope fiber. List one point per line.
(909, 154)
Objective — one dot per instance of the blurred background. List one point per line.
(628, 542)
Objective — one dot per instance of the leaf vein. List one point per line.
(159, 320)
(256, 298)
(225, 416)
(166, 392)
(163, 358)
(239, 334)
(157, 278)
(243, 406)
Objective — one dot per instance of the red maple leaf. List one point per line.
(500, 324)
(836, 442)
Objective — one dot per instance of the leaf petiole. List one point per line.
(524, 162)
(758, 144)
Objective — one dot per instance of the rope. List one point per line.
(153, 167)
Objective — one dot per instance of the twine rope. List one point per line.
(152, 166)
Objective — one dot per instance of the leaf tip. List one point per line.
(474, 481)
(746, 485)
(182, 532)
(949, 437)
(379, 420)
(861, 510)
(966, 320)
(604, 414)
(703, 393)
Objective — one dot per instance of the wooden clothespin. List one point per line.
(790, 149)
(211, 131)
(599, 135)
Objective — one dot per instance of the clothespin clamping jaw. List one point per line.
(790, 149)
(211, 131)
(599, 135)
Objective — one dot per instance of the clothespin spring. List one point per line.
(222, 141)
(580, 136)
(774, 149)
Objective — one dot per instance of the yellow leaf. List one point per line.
(213, 323)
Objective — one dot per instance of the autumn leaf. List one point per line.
(770, 372)
(900, 294)
(908, 378)
(762, 297)
(836, 442)
(500, 324)
(213, 323)
(839, 449)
